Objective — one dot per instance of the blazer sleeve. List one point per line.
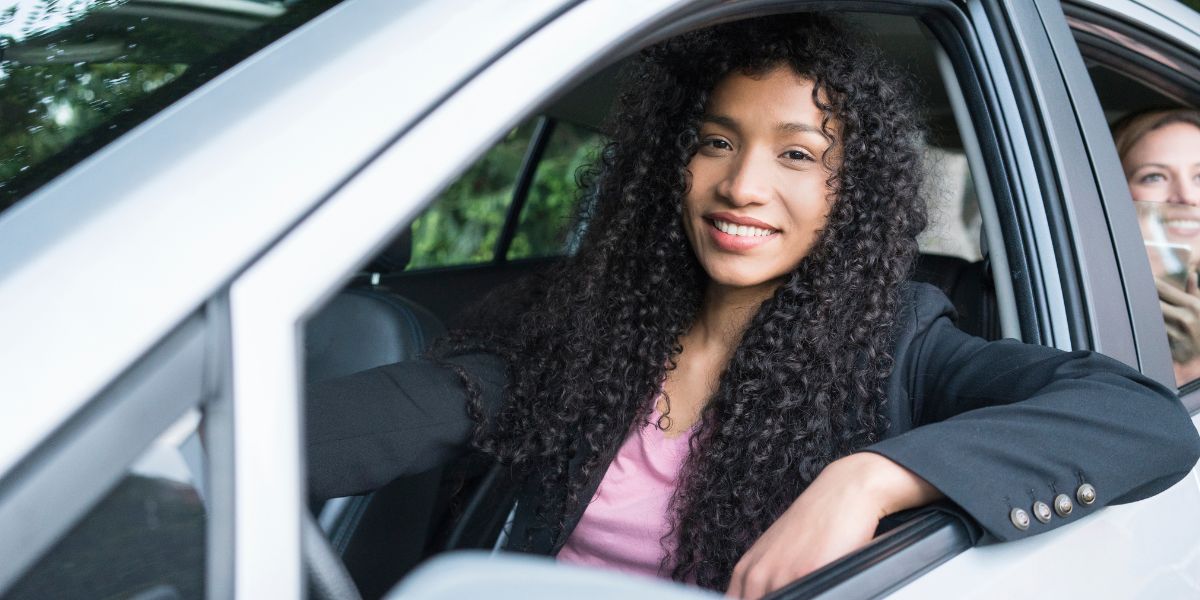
(366, 429)
(1004, 425)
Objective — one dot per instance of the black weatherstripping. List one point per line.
(917, 541)
(529, 165)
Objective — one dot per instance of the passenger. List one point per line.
(1160, 154)
(733, 381)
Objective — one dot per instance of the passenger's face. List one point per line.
(759, 190)
(1163, 171)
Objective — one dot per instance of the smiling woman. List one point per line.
(1160, 153)
(760, 188)
(732, 382)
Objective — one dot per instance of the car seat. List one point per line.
(380, 535)
(970, 288)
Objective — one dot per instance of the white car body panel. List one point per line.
(188, 217)
(1118, 552)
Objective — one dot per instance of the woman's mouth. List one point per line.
(735, 237)
(1181, 227)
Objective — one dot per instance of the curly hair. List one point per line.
(594, 339)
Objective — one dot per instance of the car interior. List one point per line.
(407, 295)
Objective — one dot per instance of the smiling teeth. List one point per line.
(741, 230)
(1182, 223)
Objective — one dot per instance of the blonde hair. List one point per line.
(1133, 127)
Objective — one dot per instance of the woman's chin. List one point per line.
(743, 280)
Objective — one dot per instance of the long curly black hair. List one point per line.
(806, 385)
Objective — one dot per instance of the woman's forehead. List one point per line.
(1173, 140)
(779, 97)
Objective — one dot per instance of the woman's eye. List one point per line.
(797, 155)
(1152, 178)
(717, 143)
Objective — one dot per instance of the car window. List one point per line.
(76, 75)
(144, 539)
(463, 224)
(1138, 78)
(548, 214)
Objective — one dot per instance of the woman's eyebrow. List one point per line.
(799, 128)
(1153, 165)
(721, 120)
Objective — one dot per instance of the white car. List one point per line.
(206, 203)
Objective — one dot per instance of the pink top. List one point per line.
(623, 526)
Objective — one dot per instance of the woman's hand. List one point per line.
(836, 515)
(1181, 315)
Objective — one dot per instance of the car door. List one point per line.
(1011, 98)
(1097, 287)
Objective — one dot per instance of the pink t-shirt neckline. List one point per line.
(623, 527)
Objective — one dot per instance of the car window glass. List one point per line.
(144, 539)
(463, 223)
(1135, 93)
(550, 208)
(76, 75)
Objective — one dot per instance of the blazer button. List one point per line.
(1019, 518)
(1041, 511)
(1086, 494)
(1062, 505)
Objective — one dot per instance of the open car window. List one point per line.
(1135, 71)
(513, 210)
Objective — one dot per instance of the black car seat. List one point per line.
(380, 535)
(969, 286)
(367, 324)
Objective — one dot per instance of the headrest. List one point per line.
(395, 255)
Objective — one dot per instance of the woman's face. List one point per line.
(1163, 171)
(759, 190)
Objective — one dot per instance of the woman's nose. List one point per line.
(1186, 191)
(748, 180)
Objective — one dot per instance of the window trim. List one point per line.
(520, 193)
(916, 542)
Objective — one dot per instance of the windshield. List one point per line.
(75, 75)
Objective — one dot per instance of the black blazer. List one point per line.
(995, 426)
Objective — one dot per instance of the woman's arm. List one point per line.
(837, 514)
(994, 426)
(366, 429)
(1005, 425)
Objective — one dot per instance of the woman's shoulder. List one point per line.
(922, 304)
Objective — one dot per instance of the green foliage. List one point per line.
(46, 107)
(74, 75)
(549, 210)
(463, 224)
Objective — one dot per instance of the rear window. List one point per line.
(76, 75)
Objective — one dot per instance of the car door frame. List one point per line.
(1157, 37)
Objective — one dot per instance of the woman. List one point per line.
(725, 384)
(1160, 154)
